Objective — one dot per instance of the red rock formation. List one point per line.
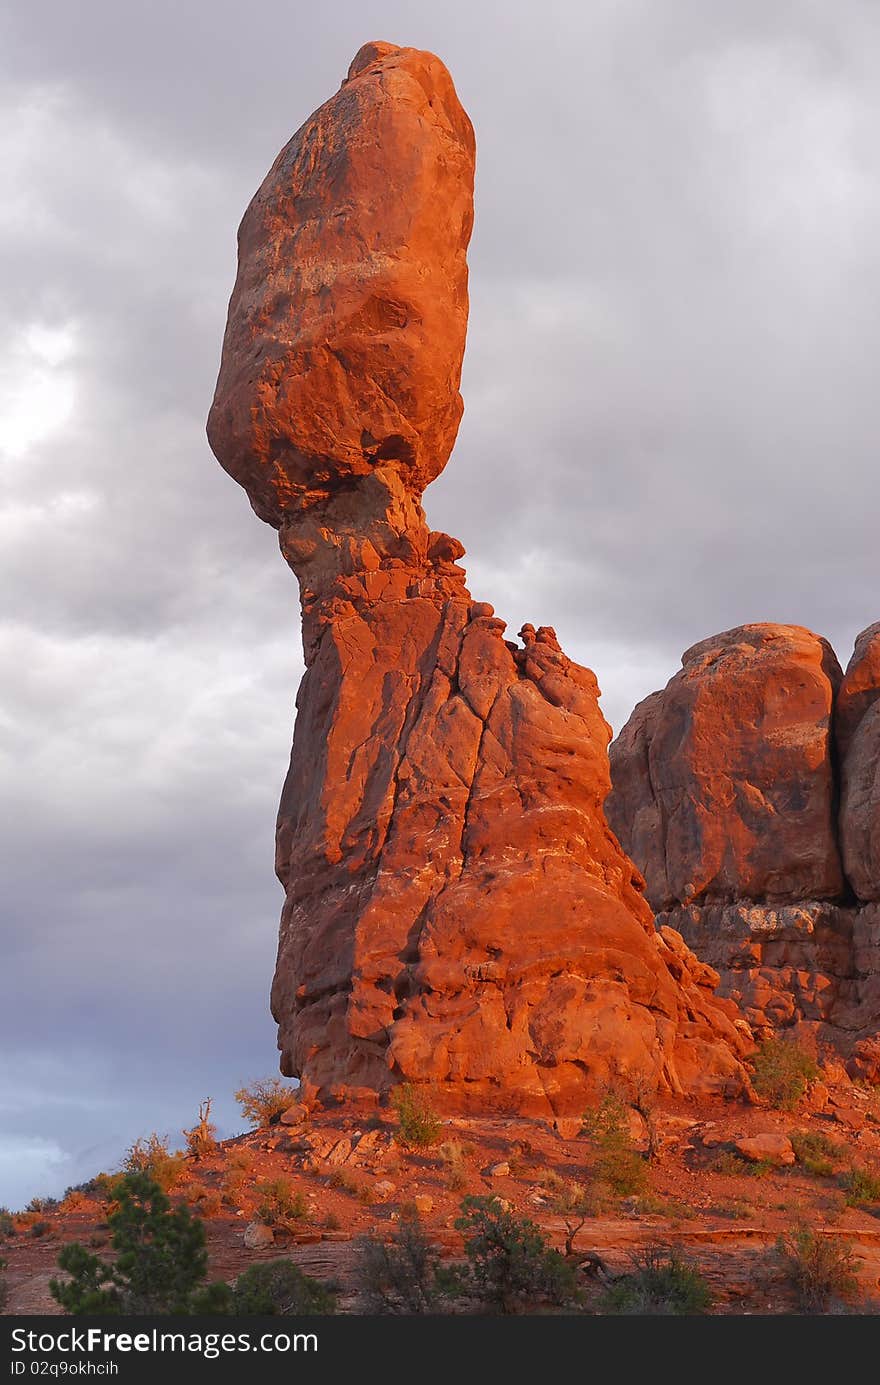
(725, 795)
(724, 783)
(347, 322)
(858, 735)
(457, 911)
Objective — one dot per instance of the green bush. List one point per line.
(280, 1203)
(618, 1162)
(418, 1124)
(509, 1261)
(861, 1187)
(819, 1268)
(160, 1258)
(7, 1225)
(815, 1152)
(152, 1158)
(662, 1284)
(399, 1276)
(274, 1288)
(39, 1228)
(262, 1102)
(783, 1071)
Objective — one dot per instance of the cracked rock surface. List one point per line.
(457, 910)
(748, 793)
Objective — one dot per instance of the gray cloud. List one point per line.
(669, 429)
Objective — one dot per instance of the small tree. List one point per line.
(783, 1072)
(618, 1162)
(819, 1268)
(160, 1257)
(279, 1288)
(399, 1276)
(201, 1140)
(662, 1284)
(509, 1259)
(280, 1203)
(153, 1158)
(419, 1125)
(263, 1102)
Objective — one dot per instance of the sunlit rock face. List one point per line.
(748, 793)
(457, 911)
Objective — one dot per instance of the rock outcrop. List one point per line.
(457, 911)
(858, 737)
(748, 793)
(724, 783)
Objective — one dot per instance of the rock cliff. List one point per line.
(457, 911)
(748, 793)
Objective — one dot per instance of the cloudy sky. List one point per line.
(670, 429)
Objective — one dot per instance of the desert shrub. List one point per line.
(160, 1257)
(233, 1183)
(201, 1140)
(573, 1198)
(331, 1222)
(727, 1162)
(783, 1071)
(39, 1228)
(152, 1158)
(4, 1287)
(43, 1204)
(76, 1201)
(861, 1187)
(452, 1155)
(241, 1159)
(344, 1181)
(280, 1203)
(819, 1268)
(736, 1211)
(814, 1151)
(618, 1162)
(7, 1225)
(399, 1276)
(207, 1201)
(279, 1288)
(86, 1190)
(509, 1260)
(661, 1284)
(264, 1101)
(418, 1124)
(106, 1184)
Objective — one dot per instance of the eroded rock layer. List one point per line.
(748, 793)
(457, 911)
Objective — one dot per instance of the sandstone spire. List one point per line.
(457, 911)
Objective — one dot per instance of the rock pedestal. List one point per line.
(457, 911)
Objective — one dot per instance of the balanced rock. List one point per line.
(457, 911)
(347, 322)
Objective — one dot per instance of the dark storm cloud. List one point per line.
(670, 428)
